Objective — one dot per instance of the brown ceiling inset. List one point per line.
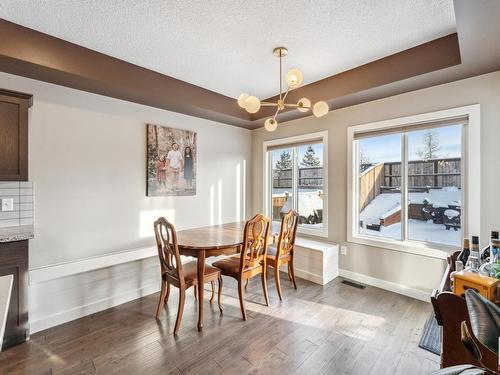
(428, 57)
(32, 54)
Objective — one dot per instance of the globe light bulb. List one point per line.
(241, 99)
(271, 124)
(294, 78)
(304, 105)
(320, 109)
(252, 104)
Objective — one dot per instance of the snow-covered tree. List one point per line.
(364, 159)
(310, 159)
(430, 145)
(284, 162)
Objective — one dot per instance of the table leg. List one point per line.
(201, 285)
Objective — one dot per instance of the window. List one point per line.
(408, 182)
(296, 179)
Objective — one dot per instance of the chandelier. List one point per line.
(294, 79)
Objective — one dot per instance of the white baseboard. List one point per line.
(308, 276)
(387, 285)
(91, 308)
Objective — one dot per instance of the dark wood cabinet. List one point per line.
(14, 261)
(14, 135)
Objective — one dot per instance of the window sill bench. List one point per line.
(316, 261)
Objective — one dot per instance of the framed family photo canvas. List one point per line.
(171, 161)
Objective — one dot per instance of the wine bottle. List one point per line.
(464, 254)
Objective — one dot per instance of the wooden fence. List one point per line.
(370, 182)
(386, 177)
(311, 177)
(430, 173)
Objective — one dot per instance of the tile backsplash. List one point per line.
(22, 194)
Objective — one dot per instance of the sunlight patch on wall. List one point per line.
(219, 202)
(238, 192)
(244, 189)
(212, 205)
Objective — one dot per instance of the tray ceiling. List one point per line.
(225, 46)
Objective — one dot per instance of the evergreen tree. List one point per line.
(310, 159)
(284, 162)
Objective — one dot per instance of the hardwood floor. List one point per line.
(335, 329)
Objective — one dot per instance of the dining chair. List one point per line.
(282, 253)
(252, 258)
(173, 272)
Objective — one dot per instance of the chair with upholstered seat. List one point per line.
(480, 338)
(282, 253)
(182, 276)
(252, 259)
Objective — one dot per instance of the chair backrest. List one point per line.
(255, 239)
(288, 231)
(168, 251)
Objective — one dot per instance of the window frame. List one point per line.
(267, 177)
(470, 172)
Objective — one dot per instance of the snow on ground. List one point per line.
(309, 200)
(417, 229)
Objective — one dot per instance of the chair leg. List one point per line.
(168, 293)
(195, 290)
(212, 283)
(161, 302)
(264, 284)
(246, 284)
(182, 299)
(220, 294)
(278, 281)
(292, 273)
(241, 295)
(289, 273)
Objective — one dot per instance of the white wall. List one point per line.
(385, 267)
(87, 161)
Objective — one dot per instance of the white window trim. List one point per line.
(323, 135)
(471, 178)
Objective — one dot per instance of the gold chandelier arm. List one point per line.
(268, 104)
(286, 93)
(296, 106)
(276, 114)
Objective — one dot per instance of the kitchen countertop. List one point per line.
(18, 233)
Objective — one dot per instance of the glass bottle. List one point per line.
(490, 259)
(495, 265)
(473, 261)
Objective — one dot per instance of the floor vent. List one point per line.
(353, 284)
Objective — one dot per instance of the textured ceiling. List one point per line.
(225, 46)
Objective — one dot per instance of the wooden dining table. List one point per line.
(211, 241)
